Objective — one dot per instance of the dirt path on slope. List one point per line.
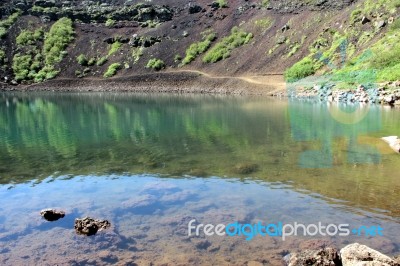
(274, 79)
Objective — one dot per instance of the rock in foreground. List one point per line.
(52, 215)
(322, 257)
(356, 254)
(88, 226)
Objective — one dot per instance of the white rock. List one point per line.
(360, 255)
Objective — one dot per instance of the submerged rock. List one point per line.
(356, 254)
(88, 226)
(52, 215)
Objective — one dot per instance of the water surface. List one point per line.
(152, 163)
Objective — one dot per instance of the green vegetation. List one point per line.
(36, 66)
(198, 48)
(301, 69)
(21, 66)
(101, 61)
(114, 47)
(8, 22)
(222, 3)
(137, 52)
(82, 60)
(155, 64)
(395, 25)
(177, 58)
(355, 16)
(91, 62)
(2, 56)
(58, 38)
(110, 23)
(264, 3)
(263, 24)
(27, 37)
(112, 70)
(294, 49)
(224, 48)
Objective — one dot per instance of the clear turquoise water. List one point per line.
(151, 163)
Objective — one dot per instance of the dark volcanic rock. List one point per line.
(195, 9)
(52, 215)
(88, 226)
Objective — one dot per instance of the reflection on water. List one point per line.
(151, 163)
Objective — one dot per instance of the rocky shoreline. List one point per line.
(162, 82)
(351, 255)
(386, 93)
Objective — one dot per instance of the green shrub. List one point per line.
(112, 70)
(25, 38)
(82, 60)
(3, 32)
(222, 3)
(395, 25)
(155, 64)
(38, 34)
(91, 62)
(110, 23)
(48, 72)
(60, 35)
(389, 74)
(114, 47)
(355, 16)
(137, 52)
(2, 56)
(263, 24)
(21, 66)
(177, 58)
(264, 3)
(101, 61)
(224, 48)
(10, 20)
(198, 48)
(301, 69)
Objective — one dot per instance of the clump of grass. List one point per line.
(224, 48)
(21, 66)
(263, 23)
(301, 69)
(355, 16)
(396, 24)
(155, 64)
(114, 47)
(5, 24)
(101, 61)
(82, 60)
(91, 61)
(222, 3)
(264, 3)
(27, 37)
(2, 56)
(112, 70)
(198, 48)
(110, 23)
(137, 52)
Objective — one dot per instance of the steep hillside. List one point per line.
(47, 39)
